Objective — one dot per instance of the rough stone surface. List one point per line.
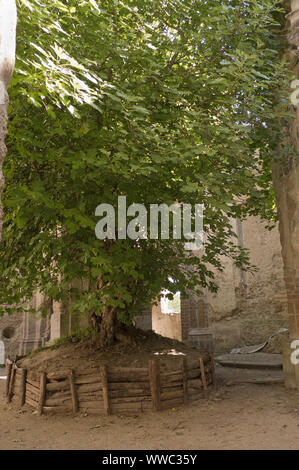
(168, 325)
(286, 185)
(250, 307)
(11, 344)
(251, 361)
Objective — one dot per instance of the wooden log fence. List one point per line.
(110, 390)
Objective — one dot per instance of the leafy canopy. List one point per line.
(161, 101)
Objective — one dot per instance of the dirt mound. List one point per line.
(75, 354)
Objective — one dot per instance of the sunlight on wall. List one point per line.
(2, 353)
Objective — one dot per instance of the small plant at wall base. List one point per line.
(80, 334)
(119, 98)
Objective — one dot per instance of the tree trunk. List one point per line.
(8, 20)
(286, 186)
(94, 321)
(107, 330)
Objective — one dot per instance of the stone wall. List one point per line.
(178, 325)
(11, 333)
(144, 320)
(166, 324)
(286, 185)
(249, 307)
(22, 333)
(193, 315)
(262, 291)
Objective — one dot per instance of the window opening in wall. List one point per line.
(169, 306)
(8, 332)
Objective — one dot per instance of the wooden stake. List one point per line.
(8, 375)
(104, 379)
(23, 387)
(203, 375)
(75, 402)
(185, 381)
(11, 384)
(155, 384)
(42, 392)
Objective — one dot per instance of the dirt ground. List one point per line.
(235, 416)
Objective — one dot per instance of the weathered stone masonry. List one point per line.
(286, 184)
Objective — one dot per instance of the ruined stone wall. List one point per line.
(63, 320)
(168, 325)
(11, 333)
(144, 321)
(249, 307)
(286, 185)
(178, 325)
(193, 315)
(24, 332)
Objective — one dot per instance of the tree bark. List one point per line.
(107, 330)
(8, 21)
(94, 321)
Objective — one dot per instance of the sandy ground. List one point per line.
(236, 416)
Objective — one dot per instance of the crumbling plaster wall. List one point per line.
(168, 325)
(249, 307)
